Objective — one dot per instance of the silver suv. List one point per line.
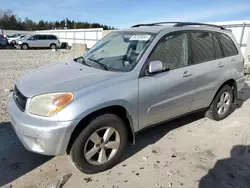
(39, 41)
(93, 105)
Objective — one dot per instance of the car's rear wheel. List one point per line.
(52, 46)
(222, 104)
(100, 145)
(25, 46)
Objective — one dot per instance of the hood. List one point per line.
(63, 77)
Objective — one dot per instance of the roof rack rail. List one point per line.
(154, 24)
(180, 24)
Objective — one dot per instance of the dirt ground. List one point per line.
(189, 152)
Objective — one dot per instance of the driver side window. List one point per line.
(172, 51)
(32, 37)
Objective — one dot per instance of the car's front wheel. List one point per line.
(25, 46)
(13, 42)
(100, 145)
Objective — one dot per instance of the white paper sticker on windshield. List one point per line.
(140, 37)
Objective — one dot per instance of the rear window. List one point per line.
(228, 45)
(52, 37)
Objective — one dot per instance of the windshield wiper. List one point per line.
(97, 62)
(82, 61)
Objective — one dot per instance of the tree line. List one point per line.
(10, 21)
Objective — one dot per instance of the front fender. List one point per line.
(107, 97)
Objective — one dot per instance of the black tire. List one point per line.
(77, 151)
(13, 42)
(212, 112)
(53, 46)
(25, 46)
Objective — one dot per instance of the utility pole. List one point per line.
(75, 22)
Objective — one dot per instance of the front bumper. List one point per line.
(33, 130)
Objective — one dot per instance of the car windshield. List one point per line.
(119, 51)
(26, 37)
(13, 36)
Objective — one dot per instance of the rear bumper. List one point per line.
(40, 135)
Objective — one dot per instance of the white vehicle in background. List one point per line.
(39, 41)
(14, 38)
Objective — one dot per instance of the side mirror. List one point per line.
(155, 66)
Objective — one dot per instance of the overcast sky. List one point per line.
(124, 13)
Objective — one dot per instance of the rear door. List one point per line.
(209, 66)
(167, 94)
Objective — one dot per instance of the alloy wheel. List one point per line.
(102, 146)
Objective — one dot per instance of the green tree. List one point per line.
(8, 20)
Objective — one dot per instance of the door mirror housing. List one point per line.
(155, 67)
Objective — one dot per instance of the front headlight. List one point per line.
(49, 104)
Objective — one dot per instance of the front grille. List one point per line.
(20, 99)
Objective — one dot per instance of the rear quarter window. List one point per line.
(228, 45)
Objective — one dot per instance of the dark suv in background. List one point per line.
(3, 41)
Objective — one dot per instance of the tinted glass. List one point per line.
(34, 37)
(217, 49)
(227, 45)
(202, 47)
(42, 37)
(52, 37)
(172, 51)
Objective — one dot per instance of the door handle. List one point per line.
(232, 60)
(186, 74)
(221, 64)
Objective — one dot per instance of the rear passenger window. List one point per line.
(228, 46)
(52, 37)
(202, 47)
(42, 37)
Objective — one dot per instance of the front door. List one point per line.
(32, 41)
(168, 94)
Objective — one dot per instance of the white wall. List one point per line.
(84, 36)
